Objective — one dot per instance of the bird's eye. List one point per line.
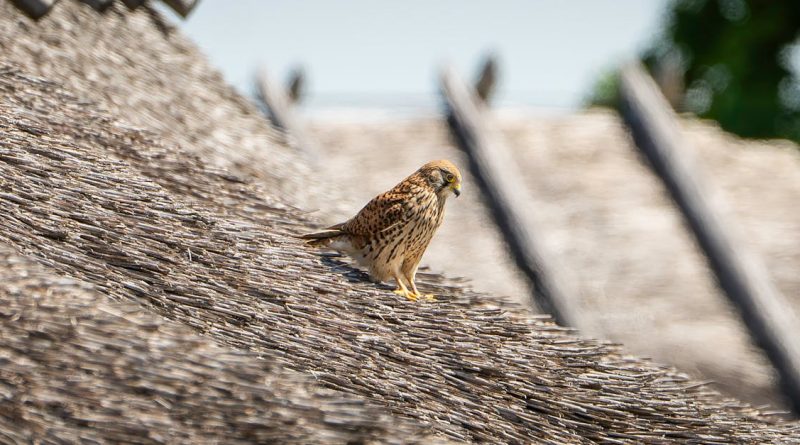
(450, 177)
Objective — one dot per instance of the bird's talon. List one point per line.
(406, 294)
(429, 297)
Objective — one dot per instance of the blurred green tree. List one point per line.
(734, 61)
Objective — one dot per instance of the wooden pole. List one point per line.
(182, 7)
(35, 9)
(487, 79)
(98, 5)
(740, 272)
(296, 85)
(133, 4)
(498, 179)
(279, 106)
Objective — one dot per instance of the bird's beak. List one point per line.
(456, 189)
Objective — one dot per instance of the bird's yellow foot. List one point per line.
(428, 297)
(406, 294)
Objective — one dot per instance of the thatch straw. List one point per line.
(76, 368)
(109, 205)
(139, 67)
(605, 219)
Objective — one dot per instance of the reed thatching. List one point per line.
(605, 219)
(111, 177)
(98, 201)
(76, 368)
(138, 66)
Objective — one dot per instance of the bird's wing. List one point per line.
(384, 212)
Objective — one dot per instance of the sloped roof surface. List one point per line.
(77, 368)
(605, 219)
(101, 202)
(127, 62)
(139, 173)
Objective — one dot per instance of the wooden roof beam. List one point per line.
(35, 9)
(98, 5)
(493, 167)
(182, 7)
(740, 272)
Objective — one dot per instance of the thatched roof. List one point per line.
(643, 275)
(605, 219)
(98, 201)
(127, 62)
(108, 195)
(77, 368)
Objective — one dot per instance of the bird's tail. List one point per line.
(323, 237)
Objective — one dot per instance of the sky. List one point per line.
(387, 53)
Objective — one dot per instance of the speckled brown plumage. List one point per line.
(390, 234)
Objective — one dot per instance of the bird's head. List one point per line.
(443, 176)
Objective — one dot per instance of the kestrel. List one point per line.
(390, 234)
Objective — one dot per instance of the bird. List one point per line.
(390, 234)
